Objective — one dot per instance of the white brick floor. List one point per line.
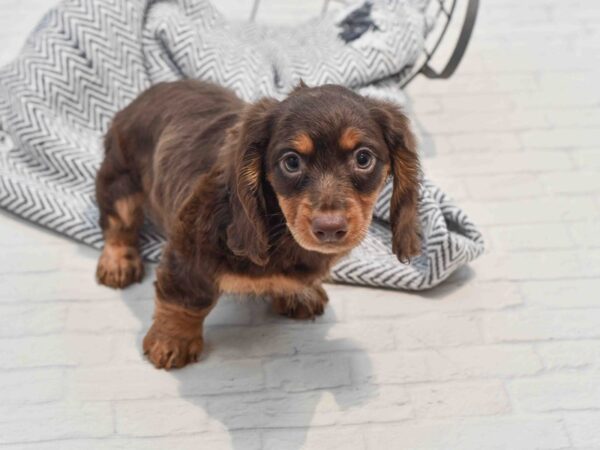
(505, 355)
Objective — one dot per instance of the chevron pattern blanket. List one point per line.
(88, 58)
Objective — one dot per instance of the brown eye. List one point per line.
(364, 159)
(291, 163)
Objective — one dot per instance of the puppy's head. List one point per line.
(325, 154)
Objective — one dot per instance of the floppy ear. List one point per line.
(247, 234)
(406, 173)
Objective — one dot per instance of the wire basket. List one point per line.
(441, 15)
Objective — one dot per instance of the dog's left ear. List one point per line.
(406, 174)
(247, 234)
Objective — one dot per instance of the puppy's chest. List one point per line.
(289, 279)
(264, 284)
(293, 280)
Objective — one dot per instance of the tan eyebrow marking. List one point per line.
(303, 143)
(350, 138)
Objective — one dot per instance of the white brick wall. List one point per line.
(482, 398)
(504, 355)
(556, 393)
(519, 433)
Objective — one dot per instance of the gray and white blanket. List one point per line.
(89, 58)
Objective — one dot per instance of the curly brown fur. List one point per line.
(260, 198)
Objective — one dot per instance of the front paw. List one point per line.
(171, 352)
(301, 306)
(119, 266)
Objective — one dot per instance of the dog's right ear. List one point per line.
(247, 235)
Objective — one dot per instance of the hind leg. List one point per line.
(121, 217)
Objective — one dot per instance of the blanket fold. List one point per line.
(87, 59)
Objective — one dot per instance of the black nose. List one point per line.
(329, 227)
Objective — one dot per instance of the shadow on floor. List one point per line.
(284, 363)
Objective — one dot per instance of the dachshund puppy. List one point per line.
(253, 198)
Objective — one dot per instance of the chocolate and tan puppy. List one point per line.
(253, 198)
